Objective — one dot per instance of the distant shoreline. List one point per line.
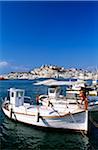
(49, 71)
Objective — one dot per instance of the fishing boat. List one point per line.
(76, 86)
(54, 90)
(55, 111)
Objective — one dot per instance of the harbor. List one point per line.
(31, 92)
(49, 75)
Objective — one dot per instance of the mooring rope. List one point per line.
(82, 132)
(75, 123)
(93, 122)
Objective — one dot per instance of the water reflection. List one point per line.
(20, 136)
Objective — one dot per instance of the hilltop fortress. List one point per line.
(52, 71)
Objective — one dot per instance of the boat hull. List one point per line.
(76, 122)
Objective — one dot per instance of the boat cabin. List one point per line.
(16, 97)
(54, 91)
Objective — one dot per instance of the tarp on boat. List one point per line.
(52, 82)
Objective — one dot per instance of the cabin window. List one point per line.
(58, 91)
(52, 90)
(12, 95)
(19, 94)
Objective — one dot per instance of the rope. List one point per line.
(72, 118)
(76, 122)
(82, 132)
(12, 112)
(93, 122)
(2, 100)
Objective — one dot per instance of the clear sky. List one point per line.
(59, 33)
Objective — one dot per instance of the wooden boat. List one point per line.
(53, 112)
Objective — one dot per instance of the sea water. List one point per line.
(18, 136)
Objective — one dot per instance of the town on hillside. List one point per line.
(52, 71)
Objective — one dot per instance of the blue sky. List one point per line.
(58, 33)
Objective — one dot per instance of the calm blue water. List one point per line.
(18, 136)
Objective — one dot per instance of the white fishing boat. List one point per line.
(54, 90)
(76, 87)
(53, 111)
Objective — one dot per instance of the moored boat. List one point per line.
(76, 87)
(53, 110)
(56, 112)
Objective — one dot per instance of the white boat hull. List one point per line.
(77, 121)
